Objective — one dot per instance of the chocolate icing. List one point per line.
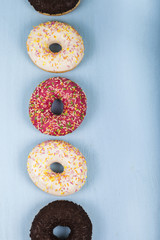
(53, 6)
(61, 213)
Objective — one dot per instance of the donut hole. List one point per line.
(57, 167)
(55, 47)
(61, 232)
(57, 107)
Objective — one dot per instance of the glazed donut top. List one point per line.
(46, 34)
(61, 184)
(61, 213)
(74, 111)
(54, 7)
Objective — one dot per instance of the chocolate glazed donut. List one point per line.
(54, 7)
(61, 213)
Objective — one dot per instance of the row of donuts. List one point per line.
(57, 107)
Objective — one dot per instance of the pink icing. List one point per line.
(74, 101)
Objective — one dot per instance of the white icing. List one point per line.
(42, 36)
(59, 184)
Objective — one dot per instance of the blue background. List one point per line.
(120, 135)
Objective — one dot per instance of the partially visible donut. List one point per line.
(70, 180)
(54, 7)
(61, 213)
(44, 36)
(69, 110)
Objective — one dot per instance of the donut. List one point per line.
(43, 38)
(57, 106)
(54, 151)
(61, 213)
(54, 7)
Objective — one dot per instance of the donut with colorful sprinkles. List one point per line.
(57, 106)
(61, 213)
(54, 7)
(55, 47)
(63, 183)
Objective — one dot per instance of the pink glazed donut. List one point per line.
(57, 106)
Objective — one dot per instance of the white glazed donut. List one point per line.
(60, 184)
(46, 34)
